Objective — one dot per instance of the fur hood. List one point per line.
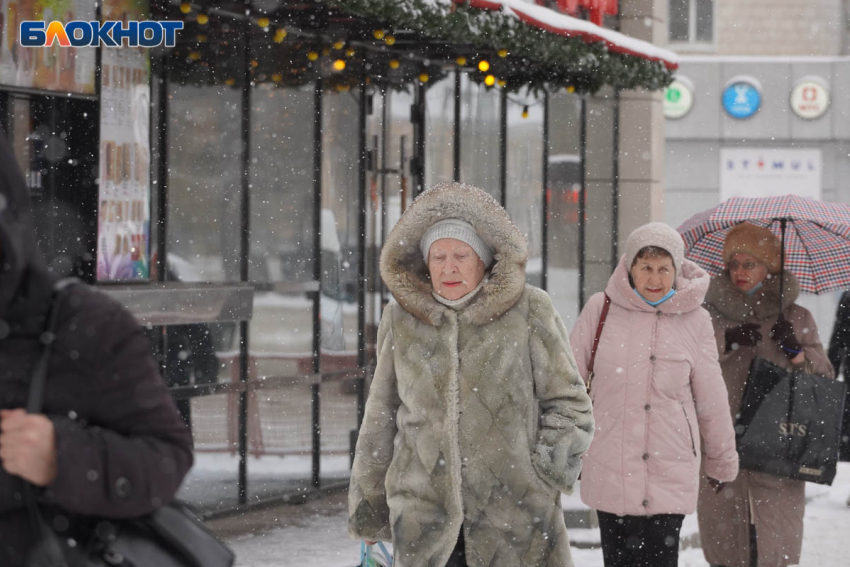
(405, 272)
(691, 286)
(733, 304)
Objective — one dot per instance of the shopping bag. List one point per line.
(790, 423)
(369, 558)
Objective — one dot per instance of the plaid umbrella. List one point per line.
(816, 243)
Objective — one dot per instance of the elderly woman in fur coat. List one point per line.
(477, 416)
(658, 397)
(758, 519)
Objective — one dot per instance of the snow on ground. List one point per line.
(315, 534)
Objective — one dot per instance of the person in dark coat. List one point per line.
(839, 356)
(110, 442)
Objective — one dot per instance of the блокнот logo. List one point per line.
(111, 33)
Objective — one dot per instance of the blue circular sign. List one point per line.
(741, 99)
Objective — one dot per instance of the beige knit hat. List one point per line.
(756, 241)
(459, 230)
(656, 234)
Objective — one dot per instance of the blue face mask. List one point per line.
(756, 287)
(670, 294)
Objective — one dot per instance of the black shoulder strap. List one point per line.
(38, 382)
(599, 327)
(35, 402)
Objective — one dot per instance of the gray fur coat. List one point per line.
(475, 418)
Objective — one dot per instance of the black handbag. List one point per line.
(172, 536)
(790, 423)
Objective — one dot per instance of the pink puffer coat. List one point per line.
(657, 389)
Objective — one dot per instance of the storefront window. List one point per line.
(525, 177)
(563, 192)
(480, 137)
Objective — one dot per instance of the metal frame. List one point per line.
(456, 133)
(244, 261)
(544, 225)
(418, 119)
(361, 222)
(318, 118)
(503, 147)
(615, 181)
(582, 202)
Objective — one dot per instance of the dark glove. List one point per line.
(747, 334)
(715, 484)
(783, 335)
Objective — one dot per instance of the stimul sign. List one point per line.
(111, 33)
(809, 99)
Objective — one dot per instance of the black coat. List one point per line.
(839, 356)
(839, 343)
(122, 449)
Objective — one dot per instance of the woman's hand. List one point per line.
(747, 334)
(28, 446)
(783, 335)
(370, 542)
(716, 484)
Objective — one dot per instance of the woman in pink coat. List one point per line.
(658, 398)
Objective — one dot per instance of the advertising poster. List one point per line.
(123, 236)
(51, 68)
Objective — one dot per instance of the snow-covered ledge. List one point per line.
(561, 24)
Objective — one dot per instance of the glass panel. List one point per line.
(376, 186)
(480, 135)
(197, 353)
(525, 177)
(563, 196)
(280, 439)
(55, 143)
(439, 131)
(338, 421)
(282, 232)
(705, 20)
(205, 161)
(679, 20)
(340, 204)
(213, 481)
(398, 191)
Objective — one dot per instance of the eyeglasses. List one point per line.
(748, 266)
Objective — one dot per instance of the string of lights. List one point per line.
(530, 59)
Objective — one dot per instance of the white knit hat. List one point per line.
(459, 230)
(660, 235)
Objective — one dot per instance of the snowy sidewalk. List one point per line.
(314, 533)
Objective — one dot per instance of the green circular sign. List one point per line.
(678, 99)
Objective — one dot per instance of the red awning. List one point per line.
(567, 26)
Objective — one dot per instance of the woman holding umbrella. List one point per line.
(756, 520)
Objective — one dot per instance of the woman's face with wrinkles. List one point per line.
(455, 268)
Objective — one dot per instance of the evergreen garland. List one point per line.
(538, 59)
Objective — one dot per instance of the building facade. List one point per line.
(760, 107)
